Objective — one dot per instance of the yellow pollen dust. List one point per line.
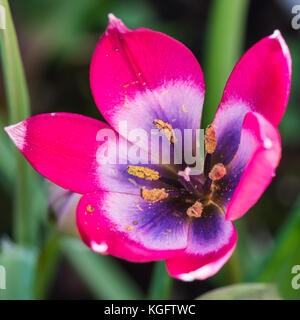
(143, 172)
(210, 139)
(184, 109)
(166, 129)
(217, 172)
(90, 208)
(195, 210)
(153, 195)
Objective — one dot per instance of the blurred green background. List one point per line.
(57, 39)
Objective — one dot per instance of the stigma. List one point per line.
(185, 174)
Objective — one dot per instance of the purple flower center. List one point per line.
(192, 193)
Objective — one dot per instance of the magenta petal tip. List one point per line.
(17, 133)
(278, 36)
(116, 23)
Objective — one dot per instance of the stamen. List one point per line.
(195, 210)
(153, 195)
(143, 172)
(210, 139)
(217, 172)
(166, 129)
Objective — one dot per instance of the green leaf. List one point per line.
(27, 208)
(47, 263)
(225, 36)
(67, 26)
(240, 262)
(290, 121)
(16, 88)
(278, 264)
(243, 291)
(161, 283)
(7, 163)
(103, 276)
(19, 265)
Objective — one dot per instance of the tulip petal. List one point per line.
(260, 82)
(211, 242)
(251, 169)
(71, 151)
(140, 75)
(128, 227)
(64, 203)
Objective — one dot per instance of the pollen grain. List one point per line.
(166, 128)
(90, 208)
(143, 172)
(153, 195)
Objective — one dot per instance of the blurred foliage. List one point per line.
(277, 265)
(47, 263)
(161, 282)
(289, 126)
(66, 26)
(224, 43)
(7, 163)
(27, 210)
(103, 276)
(243, 291)
(19, 263)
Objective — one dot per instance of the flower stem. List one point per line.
(233, 268)
(161, 283)
(47, 264)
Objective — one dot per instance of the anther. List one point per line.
(217, 172)
(166, 128)
(153, 195)
(195, 210)
(210, 139)
(143, 172)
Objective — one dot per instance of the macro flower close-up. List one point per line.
(143, 213)
(149, 151)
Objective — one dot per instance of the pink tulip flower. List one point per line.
(148, 212)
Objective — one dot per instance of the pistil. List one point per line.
(185, 174)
